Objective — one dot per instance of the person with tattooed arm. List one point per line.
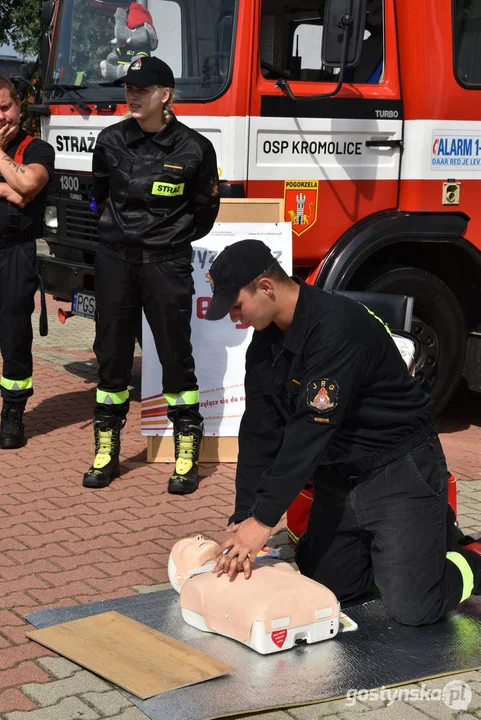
(26, 166)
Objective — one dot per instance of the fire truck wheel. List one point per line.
(438, 323)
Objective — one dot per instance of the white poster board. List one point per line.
(218, 347)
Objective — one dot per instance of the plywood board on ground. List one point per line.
(261, 210)
(212, 449)
(141, 660)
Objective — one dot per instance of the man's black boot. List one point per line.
(107, 450)
(12, 431)
(185, 478)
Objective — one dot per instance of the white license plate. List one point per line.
(83, 304)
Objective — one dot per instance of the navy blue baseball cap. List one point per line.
(234, 268)
(146, 71)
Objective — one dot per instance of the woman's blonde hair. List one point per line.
(168, 105)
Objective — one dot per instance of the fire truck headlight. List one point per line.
(50, 218)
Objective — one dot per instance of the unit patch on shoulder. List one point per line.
(322, 395)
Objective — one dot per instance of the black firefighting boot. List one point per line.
(107, 449)
(185, 478)
(12, 431)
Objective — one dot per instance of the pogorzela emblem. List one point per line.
(300, 203)
(322, 395)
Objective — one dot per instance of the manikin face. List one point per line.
(146, 104)
(9, 110)
(255, 311)
(188, 554)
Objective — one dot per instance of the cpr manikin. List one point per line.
(272, 611)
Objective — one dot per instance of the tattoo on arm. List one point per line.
(16, 166)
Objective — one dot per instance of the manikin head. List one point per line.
(189, 554)
(246, 282)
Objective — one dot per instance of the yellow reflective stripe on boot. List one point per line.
(186, 453)
(108, 398)
(26, 384)
(187, 397)
(103, 456)
(466, 573)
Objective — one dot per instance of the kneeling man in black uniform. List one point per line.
(329, 399)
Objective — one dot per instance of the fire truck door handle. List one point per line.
(384, 143)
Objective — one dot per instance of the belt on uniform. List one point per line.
(380, 459)
(141, 255)
(11, 235)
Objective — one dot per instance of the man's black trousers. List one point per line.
(18, 285)
(164, 291)
(390, 527)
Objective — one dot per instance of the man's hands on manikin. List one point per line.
(239, 551)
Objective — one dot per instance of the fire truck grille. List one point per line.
(80, 222)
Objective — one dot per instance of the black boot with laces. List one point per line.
(105, 467)
(12, 431)
(185, 478)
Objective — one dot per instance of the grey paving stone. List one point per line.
(68, 709)
(324, 717)
(59, 668)
(273, 715)
(50, 693)
(396, 711)
(437, 698)
(326, 709)
(435, 709)
(132, 713)
(109, 703)
(151, 588)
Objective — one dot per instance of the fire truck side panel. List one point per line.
(314, 153)
(429, 85)
(442, 134)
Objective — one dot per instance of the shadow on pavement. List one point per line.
(88, 370)
(60, 411)
(461, 412)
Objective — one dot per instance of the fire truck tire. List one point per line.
(438, 323)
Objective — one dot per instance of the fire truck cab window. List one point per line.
(98, 39)
(291, 36)
(467, 42)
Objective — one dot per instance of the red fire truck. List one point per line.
(365, 115)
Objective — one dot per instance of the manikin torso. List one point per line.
(274, 610)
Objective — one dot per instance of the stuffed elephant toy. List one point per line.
(135, 37)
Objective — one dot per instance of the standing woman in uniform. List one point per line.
(156, 186)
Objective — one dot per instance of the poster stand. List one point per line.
(160, 448)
